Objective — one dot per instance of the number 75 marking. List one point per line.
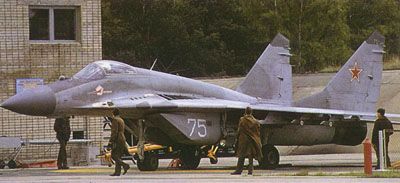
(200, 125)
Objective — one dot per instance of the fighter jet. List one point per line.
(196, 119)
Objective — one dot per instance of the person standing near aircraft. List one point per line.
(248, 142)
(381, 123)
(117, 143)
(63, 130)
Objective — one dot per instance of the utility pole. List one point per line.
(299, 34)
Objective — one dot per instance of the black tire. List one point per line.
(270, 158)
(150, 162)
(12, 164)
(190, 158)
(213, 161)
(2, 164)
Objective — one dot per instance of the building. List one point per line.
(40, 40)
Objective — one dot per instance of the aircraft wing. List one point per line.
(158, 104)
(227, 105)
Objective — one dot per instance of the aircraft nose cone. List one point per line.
(40, 101)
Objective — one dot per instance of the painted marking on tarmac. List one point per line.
(110, 170)
(85, 170)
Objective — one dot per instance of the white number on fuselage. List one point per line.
(200, 125)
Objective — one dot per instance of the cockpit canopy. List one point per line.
(99, 69)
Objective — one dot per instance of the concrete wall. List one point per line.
(22, 58)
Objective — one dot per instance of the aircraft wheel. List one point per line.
(190, 158)
(150, 162)
(12, 164)
(2, 164)
(213, 161)
(270, 158)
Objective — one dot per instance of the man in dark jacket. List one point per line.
(381, 123)
(63, 131)
(118, 143)
(248, 142)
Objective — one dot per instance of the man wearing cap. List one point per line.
(381, 123)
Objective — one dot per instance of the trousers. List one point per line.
(240, 165)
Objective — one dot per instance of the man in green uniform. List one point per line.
(248, 142)
(381, 123)
(63, 131)
(117, 143)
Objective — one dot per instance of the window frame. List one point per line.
(51, 27)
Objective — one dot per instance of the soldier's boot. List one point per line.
(115, 174)
(126, 168)
(117, 171)
(250, 168)
(64, 164)
(239, 167)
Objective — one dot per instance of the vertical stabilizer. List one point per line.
(271, 76)
(356, 86)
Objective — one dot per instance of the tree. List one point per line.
(225, 37)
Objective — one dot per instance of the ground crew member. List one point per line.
(381, 123)
(117, 143)
(248, 142)
(63, 131)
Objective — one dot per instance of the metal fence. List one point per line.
(393, 147)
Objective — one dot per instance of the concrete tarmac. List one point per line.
(300, 168)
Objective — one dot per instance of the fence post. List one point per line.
(367, 157)
(381, 156)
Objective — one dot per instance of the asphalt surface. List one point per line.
(301, 168)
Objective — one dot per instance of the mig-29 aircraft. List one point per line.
(193, 118)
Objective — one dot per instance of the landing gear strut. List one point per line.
(190, 158)
(270, 158)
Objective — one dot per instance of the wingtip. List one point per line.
(280, 41)
(376, 38)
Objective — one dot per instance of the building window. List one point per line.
(53, 23)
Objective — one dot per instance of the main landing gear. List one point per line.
(190, 157)
(270, 158)
(149, 163)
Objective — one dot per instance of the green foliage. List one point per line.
(225, 37)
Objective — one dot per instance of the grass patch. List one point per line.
(389, 63)
(321, 174)
(302, 173)
(384, 174)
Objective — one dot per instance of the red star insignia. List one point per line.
(355, 72)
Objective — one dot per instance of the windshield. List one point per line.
(99, 69)
(112, 67)
(92, 71)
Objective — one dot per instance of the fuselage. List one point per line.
(94, 90)
(95, 84)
